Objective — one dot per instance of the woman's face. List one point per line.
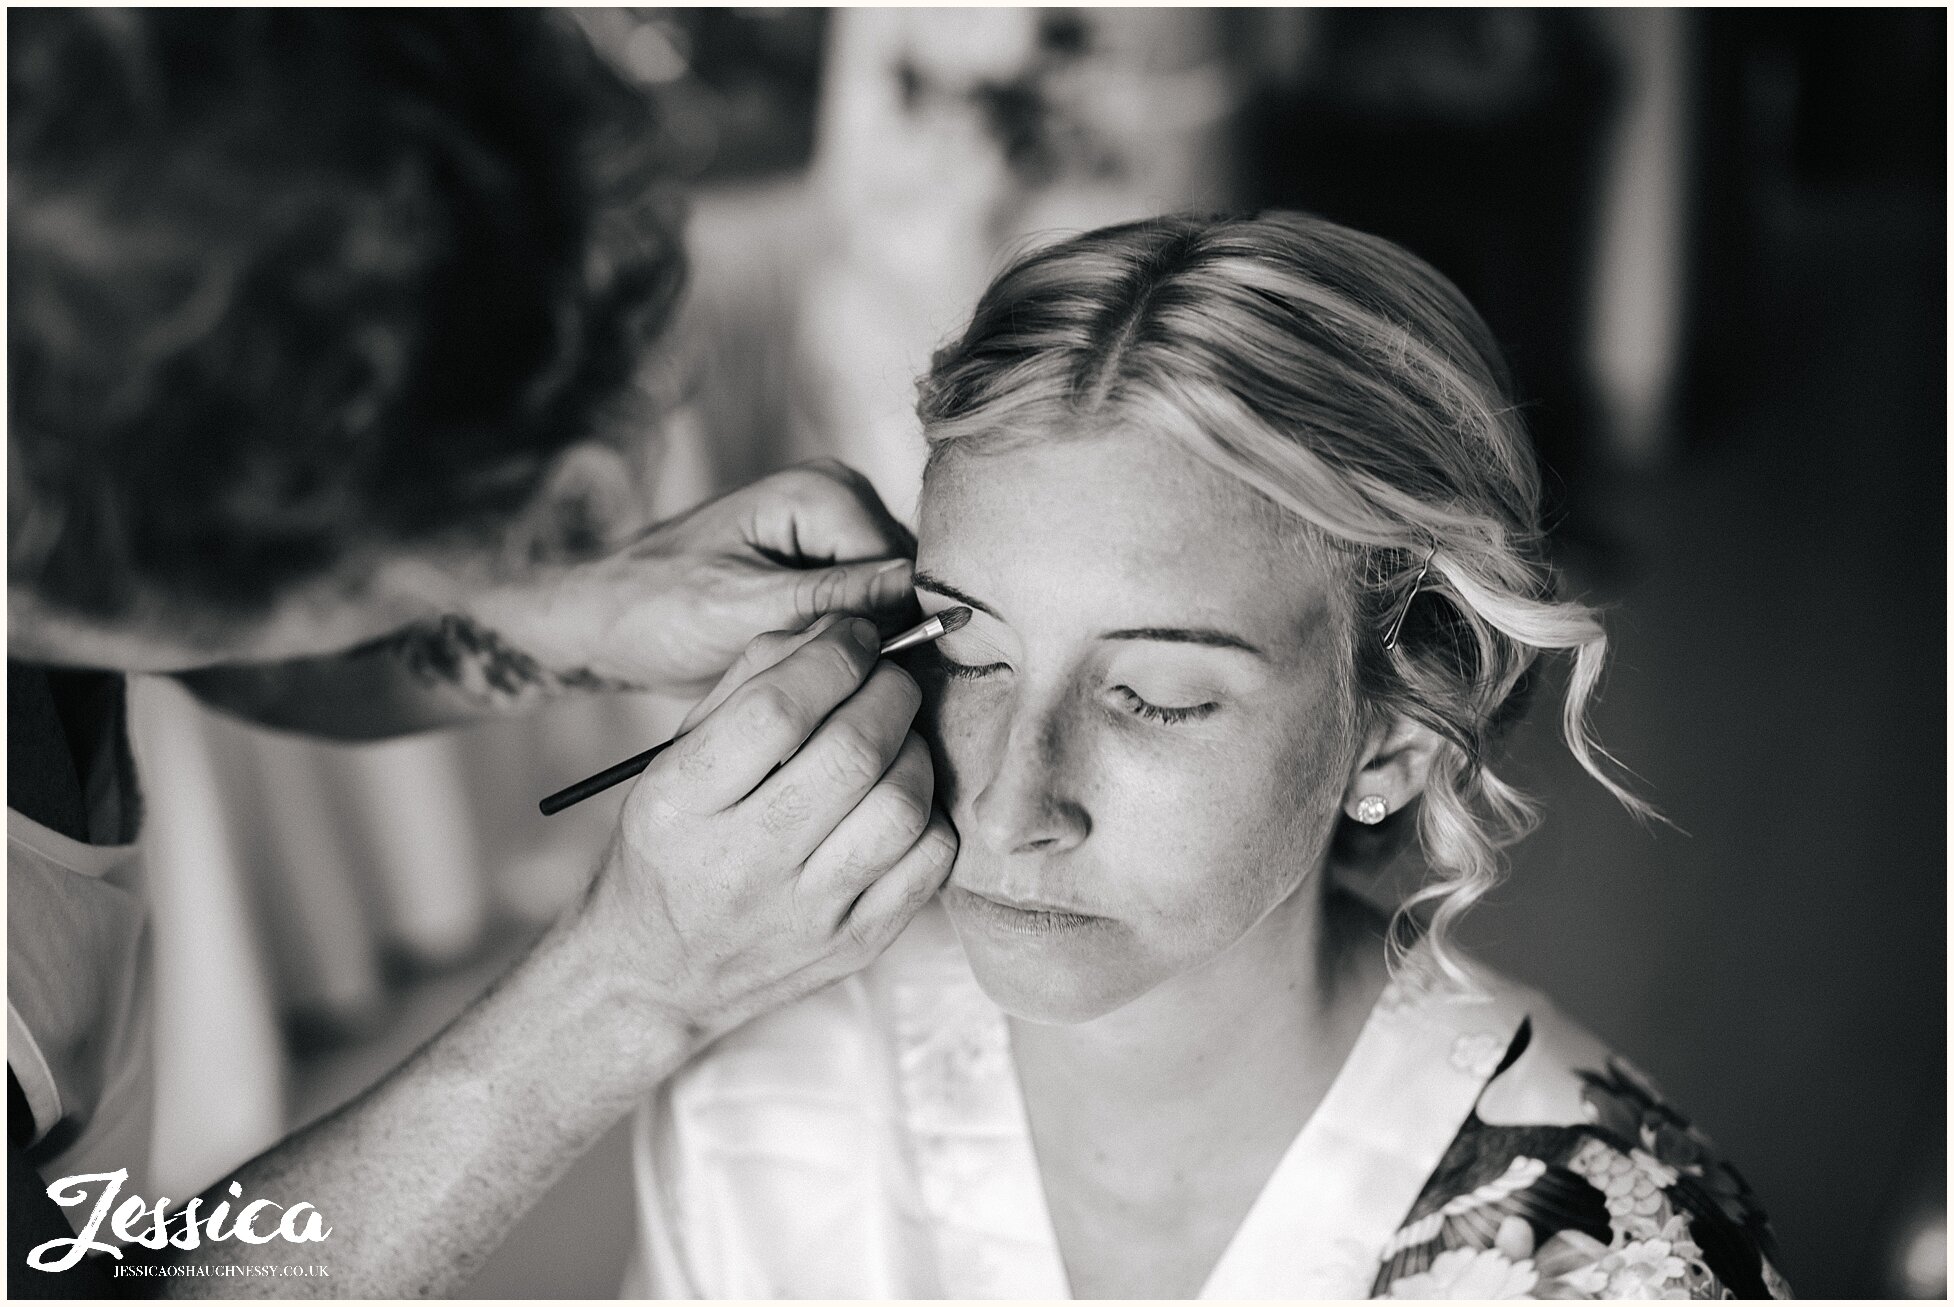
(1141, 735)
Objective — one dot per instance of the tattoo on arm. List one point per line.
(459, 654)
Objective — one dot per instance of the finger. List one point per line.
(886, 587)
(761, 724)
(888, 905)
(873, 838)
(827, 511)
(806, 799)
(762, 651)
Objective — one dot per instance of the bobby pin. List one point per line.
(1404, 610)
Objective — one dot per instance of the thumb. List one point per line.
(886, 586)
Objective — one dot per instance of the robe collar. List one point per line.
(1319, 1226)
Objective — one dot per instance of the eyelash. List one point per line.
(966, 671)
(1155, 713)
(1135, 704)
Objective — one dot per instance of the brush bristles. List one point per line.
(953, 619)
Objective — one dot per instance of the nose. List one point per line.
(1027, 804)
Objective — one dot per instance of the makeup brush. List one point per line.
(935, 628)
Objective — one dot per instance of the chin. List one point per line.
(1049, 979)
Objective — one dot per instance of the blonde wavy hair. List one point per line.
(1352, 385)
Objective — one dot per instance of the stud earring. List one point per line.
(1372, 809)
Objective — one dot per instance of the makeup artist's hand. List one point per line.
(670, 609)
(666, 610)
(783, 842)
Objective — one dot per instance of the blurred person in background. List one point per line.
(324, 328)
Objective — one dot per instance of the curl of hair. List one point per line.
(1351, 384)
(295, 287)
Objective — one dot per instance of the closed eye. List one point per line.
(1153, 712)
(967, 671)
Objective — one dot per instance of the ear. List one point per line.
(590, 501)
(1393, 765)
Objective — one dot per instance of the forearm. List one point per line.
(666, 611)
(370, 694)
(441, 674)
(423, 1176)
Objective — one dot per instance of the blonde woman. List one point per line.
(1248, 525)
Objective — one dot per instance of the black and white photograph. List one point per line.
(993, 653)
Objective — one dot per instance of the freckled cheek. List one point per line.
(1199, 840)
(1233, 825)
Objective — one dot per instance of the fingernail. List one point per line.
(892, 581)
(863, 632)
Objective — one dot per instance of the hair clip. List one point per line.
(1404, 611)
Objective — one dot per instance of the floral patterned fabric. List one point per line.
(1633, 1204)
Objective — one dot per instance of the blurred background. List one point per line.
(1713, 244)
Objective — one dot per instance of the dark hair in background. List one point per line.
(287, 286)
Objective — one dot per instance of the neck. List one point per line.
(1256, 1035)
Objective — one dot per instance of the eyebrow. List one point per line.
(1201, 635)
(1186, 635)
(935, 585)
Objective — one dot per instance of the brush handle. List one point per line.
(931, 629)
(615, 774)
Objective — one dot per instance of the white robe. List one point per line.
(870, 1141)
(78, 1001)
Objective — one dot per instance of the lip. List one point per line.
(1027, 905)
(1023, 916)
